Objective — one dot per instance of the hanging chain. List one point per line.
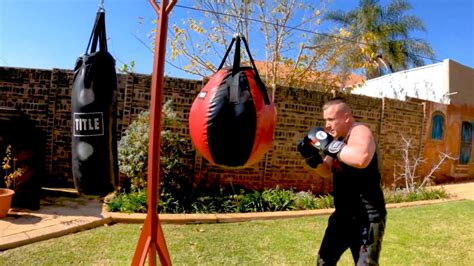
(240, 28)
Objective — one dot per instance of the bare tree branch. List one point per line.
(409, 167)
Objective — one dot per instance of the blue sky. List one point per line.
(53, 33)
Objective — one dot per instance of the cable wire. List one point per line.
(292, 28)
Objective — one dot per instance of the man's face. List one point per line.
(336, 120)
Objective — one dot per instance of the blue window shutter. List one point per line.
(466, 143)
(437, 127)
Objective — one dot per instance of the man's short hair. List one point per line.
(338, 100)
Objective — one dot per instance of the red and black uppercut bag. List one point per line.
(232, 119)
(94, 138)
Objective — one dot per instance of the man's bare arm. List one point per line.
(360, 148)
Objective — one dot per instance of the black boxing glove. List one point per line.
(334, 148)
(325, 142)
(306, 149)
(314, 161)
(319, 138)
(310, 153)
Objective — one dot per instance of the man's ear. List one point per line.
(347, 117)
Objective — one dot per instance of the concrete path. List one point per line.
(463, 190)
(62, 215)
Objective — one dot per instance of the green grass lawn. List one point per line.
(441, 234)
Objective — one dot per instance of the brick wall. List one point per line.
(400, 119)
(45, 96)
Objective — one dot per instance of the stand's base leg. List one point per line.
(149, 243)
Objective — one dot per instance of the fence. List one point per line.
(45, 96)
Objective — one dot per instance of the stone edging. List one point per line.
(242, 217)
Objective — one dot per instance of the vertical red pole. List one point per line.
(151, 238)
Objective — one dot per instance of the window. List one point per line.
(466, 142)
(437, 126)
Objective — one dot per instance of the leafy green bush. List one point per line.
(278, 199)
(324, 202)
(250, 202)
(169, 204)
(133, 151)
(129, 202)
(214, 204)
(305, 201)
(197, 202)
(253, 201)
(133, 156)
(222, 201)
(402, 195)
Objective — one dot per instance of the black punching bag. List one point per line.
(94, 138)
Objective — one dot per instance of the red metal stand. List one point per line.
(151, 238)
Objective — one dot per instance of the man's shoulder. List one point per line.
(361, 128)
(361, 133)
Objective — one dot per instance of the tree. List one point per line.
(374, 38)
(199, 45)
(406, 170)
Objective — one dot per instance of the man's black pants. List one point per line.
(363, 238)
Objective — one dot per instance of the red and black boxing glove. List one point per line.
(325, 142)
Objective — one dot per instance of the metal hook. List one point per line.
(101, 5)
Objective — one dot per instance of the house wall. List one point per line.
(427, 83)
(45, 95)
(451, 170)
(446, 82)
(461, 82)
